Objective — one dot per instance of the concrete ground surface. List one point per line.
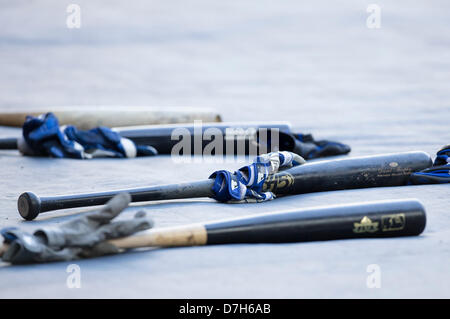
(315, 64)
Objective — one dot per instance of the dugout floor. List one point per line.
(316, 65)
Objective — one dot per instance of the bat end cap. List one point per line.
(29, 205)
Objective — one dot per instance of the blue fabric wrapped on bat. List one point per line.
(439, 173)
(42, 136)
(246, 184)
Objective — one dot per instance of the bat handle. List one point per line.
(31, 205)
(8, 143)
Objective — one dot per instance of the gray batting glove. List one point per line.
(84, 236)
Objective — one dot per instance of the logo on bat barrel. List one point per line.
(366, 225)
(393, 222)
(278, 182)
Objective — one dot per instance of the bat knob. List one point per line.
(29, 205)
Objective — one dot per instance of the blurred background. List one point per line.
(317, 64)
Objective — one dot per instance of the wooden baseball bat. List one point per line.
(360, 220)
(87, 117)
(348, 173)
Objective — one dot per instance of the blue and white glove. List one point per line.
(42, 136)
(246, 184)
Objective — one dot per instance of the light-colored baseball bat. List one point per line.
(87, 117)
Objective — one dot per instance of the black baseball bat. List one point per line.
(8, 143)
(360, 220)
(164, 137)
(228, 138)
(349, 173)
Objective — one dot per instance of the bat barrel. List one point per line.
(30, 205)
(349, 173)
(237, 138)
(361, 220)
